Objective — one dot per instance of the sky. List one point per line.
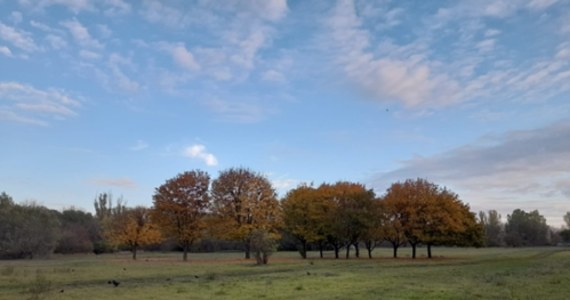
(119, 96)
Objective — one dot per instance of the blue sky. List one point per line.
(119, 96)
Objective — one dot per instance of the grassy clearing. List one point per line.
(531, 273)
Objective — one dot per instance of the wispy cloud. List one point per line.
(199, 151)
(28, 104)
(81, 34)
(126, 183)
(237, 111)
(74, 5)
(5, 51)
(182, 57)
(139, 145)
(19, 38)
(477, 68)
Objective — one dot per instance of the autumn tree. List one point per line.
(244, 201)
(133, 228)
(393, 228)
(428, 214)
(355, 216)
(179, 206)
(374, 233)
(105, 208)
(304, 215)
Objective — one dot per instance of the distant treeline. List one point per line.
(239, 210)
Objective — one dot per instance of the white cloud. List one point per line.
(19, 38)
(117, 64)
(74, 5)
(81, 34)
(117, 7)
(183, 57)
(199, 151)
(16, 17)
(28, 104)
(5, 51)
(272, 10)
(86, 54)
(485, 46)
(406, 78)
(56, 42)
(139, 146)
(284, 184)
(237, 111)
(274, 76)
(541, 4)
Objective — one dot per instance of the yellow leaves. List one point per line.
(133, 228)
(245, 201)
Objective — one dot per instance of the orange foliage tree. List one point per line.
(426, 213)
(349, 214)
(180, 205)
(304, 214)
(244, 201)
(133, 227)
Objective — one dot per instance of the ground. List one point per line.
(529, 273)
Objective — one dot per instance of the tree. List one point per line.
(393, 229)
(244, 201)
(304, 215)
(567, 219)
(104, 210)
(413, 202)
(133, 228)
(526, 229)
(179, 206)
(494, 232)
(355, 213)
(263, 244)
(374, 234)
(26, 231)
(425, 213)
(79, 231)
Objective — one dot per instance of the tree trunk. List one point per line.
(348, 251)
(413, 250)
(356, 250)
(185, 255)
(395, 248)
(247, 250)
(134, 252)
(369, 246)
(321, 249)
(304, 249)
(336, 250)
(429, 250)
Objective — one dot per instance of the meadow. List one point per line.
(455, 273)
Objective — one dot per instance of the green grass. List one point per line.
(530, 273)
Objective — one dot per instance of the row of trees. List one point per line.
(521, 229)
(241, 206)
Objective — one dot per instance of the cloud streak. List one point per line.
(25, 103)
(525, 168)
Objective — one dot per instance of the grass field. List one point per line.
(530, 273)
